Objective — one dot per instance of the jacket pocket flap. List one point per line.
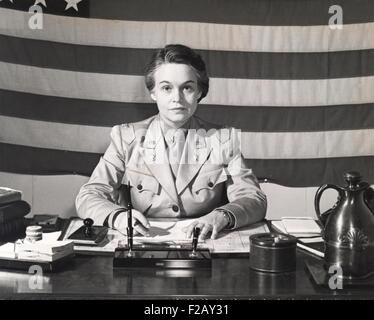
(209, 180)
(142, 182)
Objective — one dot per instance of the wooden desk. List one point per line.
(93, 277)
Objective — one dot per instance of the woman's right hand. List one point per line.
(139, 222)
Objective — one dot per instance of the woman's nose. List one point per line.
(177, 95)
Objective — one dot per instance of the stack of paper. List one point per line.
(7, 250)
(44, 250)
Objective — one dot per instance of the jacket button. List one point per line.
(175, 208)
(139, 186)
(210, 184)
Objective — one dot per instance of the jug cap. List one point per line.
(268, 239)
(353, 179)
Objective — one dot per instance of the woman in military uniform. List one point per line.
(178, 165)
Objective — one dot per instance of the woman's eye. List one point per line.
(188, 89)
(166, 88)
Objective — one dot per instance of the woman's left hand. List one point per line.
(212, 223)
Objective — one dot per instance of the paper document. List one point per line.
(310, 242)
(301, 226)
(166, 232)
(7, 250)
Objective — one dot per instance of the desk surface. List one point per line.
(93, 277)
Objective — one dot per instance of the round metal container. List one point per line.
(270, 252)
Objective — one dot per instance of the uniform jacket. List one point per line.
(212, 174)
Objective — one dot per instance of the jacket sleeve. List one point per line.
(247, 202)
(98, 198)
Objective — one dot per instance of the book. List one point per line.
(13, 210)
(9, 195)
(12, 230)
(301, 226)
(313, 243)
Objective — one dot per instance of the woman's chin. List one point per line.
(179, 117)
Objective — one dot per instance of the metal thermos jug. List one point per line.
(348, 230)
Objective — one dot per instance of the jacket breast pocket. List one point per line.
(142, 183)
(209, 180)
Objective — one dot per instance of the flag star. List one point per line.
(72, 4)
(40, 1)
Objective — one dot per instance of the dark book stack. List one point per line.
(12, 214)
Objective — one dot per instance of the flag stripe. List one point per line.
(136, 34)
(257, 119)
(127, 88)
(311, 172)
(29, 160)
(291, 172)
(254, 145)
(255, 12)
(221, 64)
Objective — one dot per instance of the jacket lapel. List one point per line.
(195, 153)
(155, 157)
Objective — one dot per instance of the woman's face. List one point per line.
(176, 93)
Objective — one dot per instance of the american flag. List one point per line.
(300, 90)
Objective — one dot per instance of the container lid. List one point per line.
(272, 240)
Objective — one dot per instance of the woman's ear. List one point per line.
(153, 96)
(199, 95)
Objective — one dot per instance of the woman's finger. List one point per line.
(141, 218)
(189, 229)
(141, 230)
(204, 232)
(215, 231)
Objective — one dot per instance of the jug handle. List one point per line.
(369, 198)
(322, 217)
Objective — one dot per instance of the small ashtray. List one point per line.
(271, 252)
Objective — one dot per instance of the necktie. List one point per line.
(175, 147)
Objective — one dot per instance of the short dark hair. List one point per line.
(177, 53)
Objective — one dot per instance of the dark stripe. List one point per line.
(30, 160)
(72, 111)
(253, 12)
(312, 172)
(256, 119)
(293, 173)
(291, 119)
(221, 64)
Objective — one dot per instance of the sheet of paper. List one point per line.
(7, 250)
(236, 241)
(166, 232)
(279, 225)
(301, 225)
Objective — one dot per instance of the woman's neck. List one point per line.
(166, 125)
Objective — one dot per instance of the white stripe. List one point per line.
(255, 145)
(308, 145)
(208, 36)
(54, 135)
(235, 92)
